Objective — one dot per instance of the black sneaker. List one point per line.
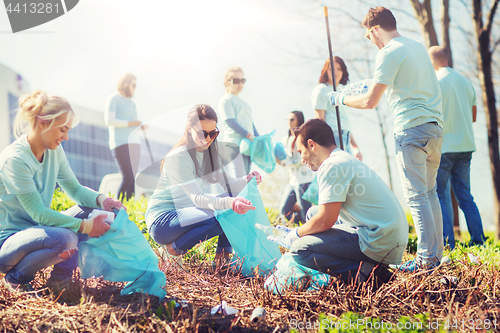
(65, 291)
(381, 275)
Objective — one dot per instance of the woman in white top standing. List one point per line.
(300, 176)
(324, 110)
(120, 116)
(236, 119)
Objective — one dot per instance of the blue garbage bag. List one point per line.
(288, 273)
(122, 254)
(251, 247)
(312, 192)
(279, 151)
(262, 152)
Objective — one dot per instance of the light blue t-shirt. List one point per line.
(321, 101)
(21, 173)
(233, 107)
(367, 204)
(124, 109)
(413, 90)
(458, 99)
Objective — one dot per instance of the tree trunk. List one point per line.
(445, 26)
(423, 12)
(484, 60)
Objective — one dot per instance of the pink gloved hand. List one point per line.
(242, 205)
(255, 174)
(109, 204)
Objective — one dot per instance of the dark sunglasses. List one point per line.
(133, 85)
(213, 134)
(238, 81)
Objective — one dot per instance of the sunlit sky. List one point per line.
(179, 51)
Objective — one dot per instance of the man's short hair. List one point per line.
(380, 16)
(316, 130)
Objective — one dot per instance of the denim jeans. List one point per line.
(418, 153)
(346, 136)
(335, 251)
(455, 169)
(293, 195)
(198, 225)
(29, 250)
(447, 210)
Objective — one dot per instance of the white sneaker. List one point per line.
(168, 258)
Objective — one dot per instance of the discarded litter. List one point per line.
(474, 259)
(224, 309)
(258, 314)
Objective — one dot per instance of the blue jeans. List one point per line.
(293, 195)
(184, 228)
(30, 250)
(346, 136)
(455, 169)
(418, 153)
(335, 251)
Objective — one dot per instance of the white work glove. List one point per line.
(95, 226)
(336, 97)
(285, 240)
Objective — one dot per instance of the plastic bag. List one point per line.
(262, 152)
(312, 192)
(246, 147)
(279, 151)
(123, 254)
(288, 273)
(252, 249)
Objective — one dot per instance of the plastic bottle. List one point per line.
(270, 230)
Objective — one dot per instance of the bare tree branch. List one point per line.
(495, 45)
(491, 16)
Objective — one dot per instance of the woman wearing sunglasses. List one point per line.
(236, 118)
(120, 116)
(180, 213)
(324, 110)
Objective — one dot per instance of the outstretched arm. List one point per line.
(366, 101)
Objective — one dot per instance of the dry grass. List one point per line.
(102, 309)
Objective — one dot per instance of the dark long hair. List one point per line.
(323, 78)
(211, 159)
(300, 119)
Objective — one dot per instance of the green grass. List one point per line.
(489, 255)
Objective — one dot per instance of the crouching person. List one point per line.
(33, 236)
(358, 226)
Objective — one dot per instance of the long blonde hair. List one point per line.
(229, 73)
(42, 107)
